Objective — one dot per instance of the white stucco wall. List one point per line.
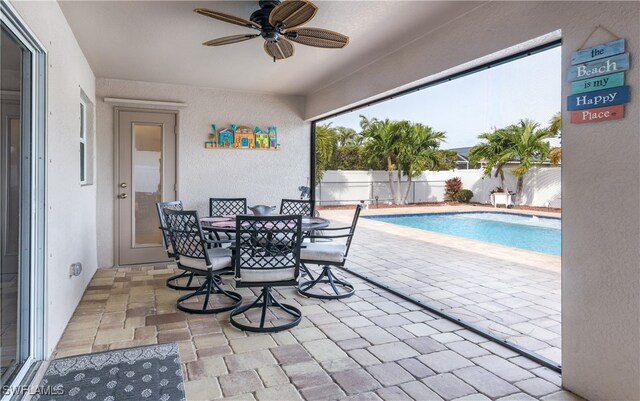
(541, 186)
(71, 218)
(264, 177)
(600, 175)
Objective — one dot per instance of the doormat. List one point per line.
(130, 374)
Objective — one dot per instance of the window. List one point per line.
(86, 139)
(83, 143)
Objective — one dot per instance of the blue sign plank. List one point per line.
(598, 52)
(599, 67)
(603, 98)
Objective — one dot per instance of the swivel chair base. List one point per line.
(341, 288)
(264, 301)
(209, 287)
(172, 281)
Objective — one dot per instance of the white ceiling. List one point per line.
(161, 41)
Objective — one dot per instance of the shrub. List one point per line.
(463, 195)
(452, 186)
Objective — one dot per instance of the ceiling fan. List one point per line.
(279, 24)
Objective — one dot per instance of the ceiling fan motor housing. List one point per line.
(269, 32)
(268, 3)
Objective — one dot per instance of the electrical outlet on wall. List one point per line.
(75, 269)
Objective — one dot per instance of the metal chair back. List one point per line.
(354, 222)
(160, 206)
(268, 242)
(227, 206)
(187, 237)
(296, 206)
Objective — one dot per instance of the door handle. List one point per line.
(123, 185)
(122, 196)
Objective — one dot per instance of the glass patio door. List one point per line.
(146, 176)
(14, 86)
(22, 66)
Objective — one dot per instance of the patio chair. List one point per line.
(227, 206)
(172, 282)
(328, 255)
(195, 254)
(267, 255)
(297, 206)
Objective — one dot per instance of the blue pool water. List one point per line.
(539, 234)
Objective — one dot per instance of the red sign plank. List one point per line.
(597, 114)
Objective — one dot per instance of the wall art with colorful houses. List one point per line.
(243, 138)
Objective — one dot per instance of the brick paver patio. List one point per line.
(371, 346)
(511, 292)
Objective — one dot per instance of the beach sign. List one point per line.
(596, 74)
(598, 83)
(598, 52)
(597, 114)
(601, 98)
(597, 68)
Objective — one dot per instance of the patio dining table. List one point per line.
(228, 223)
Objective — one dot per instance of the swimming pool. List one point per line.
(539, 234)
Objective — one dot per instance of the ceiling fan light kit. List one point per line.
(278, 24)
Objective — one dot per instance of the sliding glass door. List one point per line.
(10, 179)
(21, 202)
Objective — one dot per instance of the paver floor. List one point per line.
(371, 346)
(513, 293)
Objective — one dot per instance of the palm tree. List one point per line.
(523, 142)
(555, 126)
(418, 151)
(528, 145)
(381, 143)
(490, 152)
(346, 136)
(325, 148)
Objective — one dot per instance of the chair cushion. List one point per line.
(323, 252)
(267, 275)
(220, 259)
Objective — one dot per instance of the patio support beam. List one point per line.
(312, 163)
(477, 330)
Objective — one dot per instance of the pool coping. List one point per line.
(462, 212)
(451, 209)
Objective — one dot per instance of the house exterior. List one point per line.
(244, 138)
(225, 138)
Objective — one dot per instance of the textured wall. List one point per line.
(264, 177)
(600, 175)
(71, 214)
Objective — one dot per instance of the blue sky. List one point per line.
(468, 106)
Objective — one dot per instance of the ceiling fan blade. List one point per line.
(292, 13)
(232, 19)
(227, 40)
(318, 37)
(279, 50)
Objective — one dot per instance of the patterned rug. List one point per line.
(129, 374)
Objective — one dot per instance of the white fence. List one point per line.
(541, 186)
